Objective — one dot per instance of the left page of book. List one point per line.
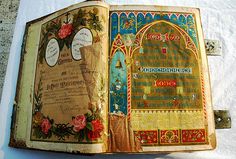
(61, 94)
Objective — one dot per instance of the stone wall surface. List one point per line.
(8, 13)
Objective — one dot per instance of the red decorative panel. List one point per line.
(146, 137)
(194, 136)
(169, 137)
(118, 44)
(165, 83)
(164, 50)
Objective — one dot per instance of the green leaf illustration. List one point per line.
(89, 126)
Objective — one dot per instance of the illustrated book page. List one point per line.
(96, 78)
(159, 89)
(62, 95)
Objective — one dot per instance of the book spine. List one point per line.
(13, 142)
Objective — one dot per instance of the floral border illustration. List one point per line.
(65, 31)
(83, 127)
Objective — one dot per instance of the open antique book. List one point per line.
(96, 78)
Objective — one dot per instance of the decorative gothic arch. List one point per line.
(140, 34)
(128, 51)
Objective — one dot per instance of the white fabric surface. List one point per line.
(218, 21)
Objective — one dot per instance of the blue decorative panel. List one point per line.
(191, 31)
(173, 19)
(118, 84)
(140, 20)
(165, 17)
(114, 25)
(127, 24)
(157, 17)
(148, 18)
(182, 22)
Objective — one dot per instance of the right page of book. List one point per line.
(160, 97)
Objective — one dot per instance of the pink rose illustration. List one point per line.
(65, 30)
(45, 126)
(79, 122)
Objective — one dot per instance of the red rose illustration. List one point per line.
(97, 129)
(45, 126)
(93, 135)
(79, 122)
(65, 31)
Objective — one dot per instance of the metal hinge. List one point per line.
(222, 119)
(213, 47)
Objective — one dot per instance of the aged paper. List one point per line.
(158, 79)
(69, 106)
(158, 85)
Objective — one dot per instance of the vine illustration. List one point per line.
(83, 127)
(64, 31)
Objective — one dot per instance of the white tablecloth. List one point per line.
(219, 22)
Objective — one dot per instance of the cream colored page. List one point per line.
(67, 90)
(160, 53)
